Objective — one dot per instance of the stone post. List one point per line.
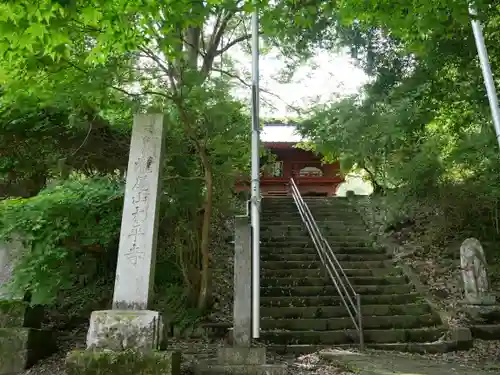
(242, 357)
(242, 309)
(129, 326)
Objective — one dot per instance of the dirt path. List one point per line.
(394, 364)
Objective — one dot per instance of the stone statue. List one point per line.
(474, 275)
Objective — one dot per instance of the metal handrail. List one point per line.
(351, 299)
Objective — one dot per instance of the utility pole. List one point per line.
(255, 183)
(486, 68)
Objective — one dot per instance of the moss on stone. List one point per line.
(13, 350)
(128, 362)
(13, 339)
(12, 313)
(23, 347)
(18, 313)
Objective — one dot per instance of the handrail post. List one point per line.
(360, 323)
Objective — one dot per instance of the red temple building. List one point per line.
(311, 176)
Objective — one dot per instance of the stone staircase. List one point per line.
(301, 309)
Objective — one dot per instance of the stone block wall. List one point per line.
(22, 341)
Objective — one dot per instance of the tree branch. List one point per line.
(149, 53)
(215, 42)
(243, 82)
(234, 42)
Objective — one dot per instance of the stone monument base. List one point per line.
(127, 362)
(239, 361)
(125, 329)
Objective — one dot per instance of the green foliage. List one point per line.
(421, 128)
(62, 226)
(79, 137)
(72, 73)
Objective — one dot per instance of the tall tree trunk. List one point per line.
(205, 233)
(192, 47)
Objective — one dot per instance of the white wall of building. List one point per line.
(355, 183)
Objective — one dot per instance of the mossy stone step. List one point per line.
(264, 248)
(340, 210)
(329, 211)
(306, 257)
(334, 324)
(330, 230)
(435, 347)
(332, 290)
(411, 347)
(321, 272)
(334, 222)
(352, 336)
(293, 280)
(318, 300)
(288, 201)
(486, 331)
(281, 265)
(379, 280)
(327, 232)
(292, 312)
(204, 368)
(340, 226)
(281, 210)
(294, 217)
(307, 238)
(312, 250)
(334, 245)
(280, 221)
(331, 216)
(297, 349)
(285, 257)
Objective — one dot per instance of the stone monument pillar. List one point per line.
(130, 326)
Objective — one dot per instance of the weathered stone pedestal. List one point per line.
(126, 340)
(125, 329)
(242, 358)
(22, 341)
(126, 362)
